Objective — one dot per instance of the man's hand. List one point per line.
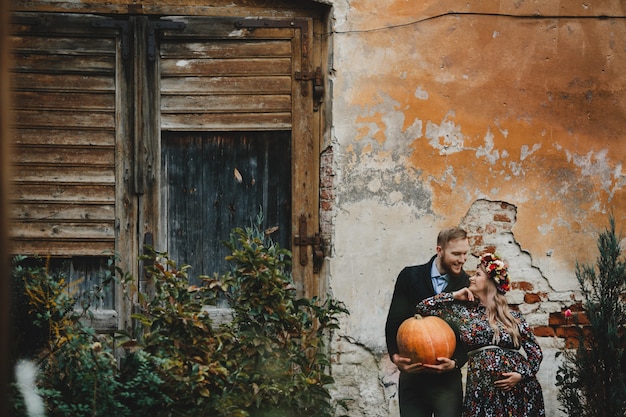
(444, 365)
(404, 365)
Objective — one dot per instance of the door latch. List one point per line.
(304, 241)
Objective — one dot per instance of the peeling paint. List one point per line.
(488, 150)
(528, 155)
(599, 165)
(446, 137)
(421, 94)
(525, 152)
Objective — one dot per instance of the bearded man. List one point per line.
(429, 391)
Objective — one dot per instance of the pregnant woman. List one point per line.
(501, 380)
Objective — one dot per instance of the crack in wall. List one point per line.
(355, 365)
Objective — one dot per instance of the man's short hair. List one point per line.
(450, 233)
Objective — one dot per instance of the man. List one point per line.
(434, 390)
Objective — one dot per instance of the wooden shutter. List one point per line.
(64, 94)
(219, 75)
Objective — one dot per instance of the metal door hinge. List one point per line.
(318, 85)
(304, 241)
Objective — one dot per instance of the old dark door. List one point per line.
(236, 123)
(215, 181)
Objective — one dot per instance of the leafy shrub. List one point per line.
(79, 373)
(592, 378)
(269, 360)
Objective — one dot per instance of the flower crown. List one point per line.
(497, 270)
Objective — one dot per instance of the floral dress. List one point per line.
(487, 362)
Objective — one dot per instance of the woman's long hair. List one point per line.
(498, 312)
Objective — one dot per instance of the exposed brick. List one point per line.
(557, 319)
(571, 343)
(532, 298)
(490, 229)
(544, 331)
(326, 182)
(522, 285)
(576, 307)
(572, 340)
(475, 241)
(327, 195)
(501, 218)
(579, 317)
(568, 331)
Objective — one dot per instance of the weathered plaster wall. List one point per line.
(504, 116)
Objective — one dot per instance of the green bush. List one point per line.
(271, 359)
(592, 378)
(79, 373)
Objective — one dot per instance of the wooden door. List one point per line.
(237, 129)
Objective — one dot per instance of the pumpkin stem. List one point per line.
(418, 316)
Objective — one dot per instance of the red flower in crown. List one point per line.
(497, 270)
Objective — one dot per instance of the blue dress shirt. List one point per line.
(439, 281)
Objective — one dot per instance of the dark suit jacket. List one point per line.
(413, 285)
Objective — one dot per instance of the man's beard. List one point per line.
(447, 267)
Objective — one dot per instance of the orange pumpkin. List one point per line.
(424, 339)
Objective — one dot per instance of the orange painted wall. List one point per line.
(524, 105)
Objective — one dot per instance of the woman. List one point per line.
(500, 380)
